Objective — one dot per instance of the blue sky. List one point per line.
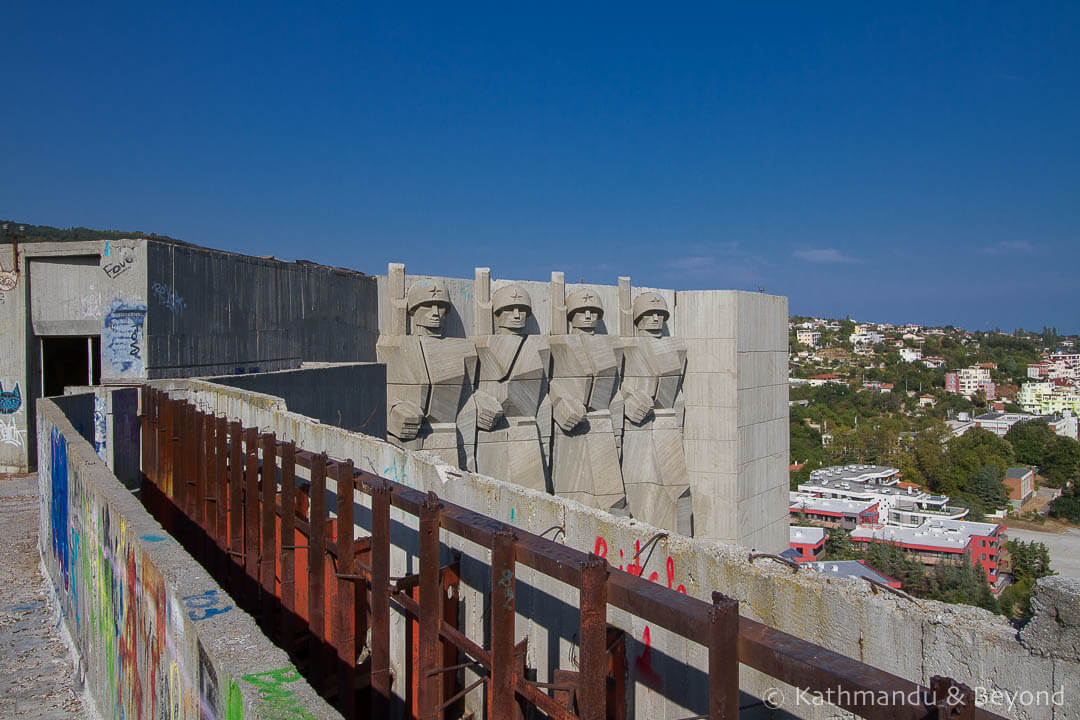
(915, 164)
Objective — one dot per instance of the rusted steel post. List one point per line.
(221, 480)
(251, 504)
(380, 599)
(723, 658)
(210, 482)
(236, 502)
(288, 544)
(501, 702)
(592, 689)
(189, 444)
(164, 448)
(317, 565)
(176, 474)
(952, 700)
(344, 614)
(268, 510)
(430, 607)
(198, 477)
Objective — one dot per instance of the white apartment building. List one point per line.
(1046, 398)
(903, 506)
(910, 354)
(810, 338)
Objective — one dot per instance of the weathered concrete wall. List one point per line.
(213, 312)
(736, 428)
(351, 396)
(157, 637)
(912, 639)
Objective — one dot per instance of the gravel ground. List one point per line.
(37, 677)
(1064, 548)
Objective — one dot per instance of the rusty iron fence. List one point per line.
(232, 496)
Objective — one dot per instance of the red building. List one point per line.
(936, 542)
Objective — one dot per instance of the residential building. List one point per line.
(934, 363)
(968, 381)
(910, 354)
(906, 506)
(824, 379)
(1048, 398)
(865, 337)
(927, 401)
(810, 338)
(851, 569)
(829, 512)
(808, 542)
(1020, 482)
(937, 542)
(999, 422)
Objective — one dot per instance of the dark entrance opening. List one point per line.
(69, 361)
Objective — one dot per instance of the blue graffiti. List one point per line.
(58, 502)
(152, 538)
(205, 602)
(106, 248)
(397, 473)
(122, 335)
(10, 400)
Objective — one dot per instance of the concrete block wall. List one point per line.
(912, 639)
(736, 425)
(349, 395)
(213, 312)
(156, 636)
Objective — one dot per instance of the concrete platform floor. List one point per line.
(1064, 548)
(37, 677)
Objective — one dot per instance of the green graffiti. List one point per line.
(234, 702)
(278, 702)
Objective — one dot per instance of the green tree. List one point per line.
(989, 488)
(1061, 461)
(1067, 505)
(1029, 440)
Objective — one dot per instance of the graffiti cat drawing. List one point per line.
(10, 400)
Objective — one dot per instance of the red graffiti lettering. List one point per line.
(601, 547)
(671, 576)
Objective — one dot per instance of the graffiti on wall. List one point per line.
(277, 702)
(121, 337)
(121, 262)
(100, 424)
(10, 400)
(134, 632)
(168, 298)
(10, 434)
(634, 566)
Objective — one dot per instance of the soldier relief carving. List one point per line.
(578, 412)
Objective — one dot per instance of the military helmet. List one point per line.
(582, 299)
(648, 302)
(510, 296)
(425, 293)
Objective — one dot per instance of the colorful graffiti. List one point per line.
(58, 502)
(121, 337)
(100, 426)
(204, 605)
(10, 400)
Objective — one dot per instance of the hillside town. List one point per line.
(915, 449)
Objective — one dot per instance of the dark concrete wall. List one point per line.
(352, 396)
(212, 312)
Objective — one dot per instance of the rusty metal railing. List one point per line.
(230, 495)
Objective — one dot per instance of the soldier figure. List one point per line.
(584, 383)
(429, 381)
(514, 374)
(653, 462)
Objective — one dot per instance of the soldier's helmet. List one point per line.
(648, 302)
(510, 296)
(425, 293)
(582, 300)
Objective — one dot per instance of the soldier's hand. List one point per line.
(637, 406)
(404, 420)
(488, 411)
(568, 414)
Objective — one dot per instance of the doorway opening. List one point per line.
(69, 361)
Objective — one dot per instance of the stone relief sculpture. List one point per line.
(430, 378)
(586, 405)
(653, 460)
(514, 374)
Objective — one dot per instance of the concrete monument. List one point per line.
(513, 372)
(653, 460)
(430, 379)
(587, 406)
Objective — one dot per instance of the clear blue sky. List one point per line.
(910, 164)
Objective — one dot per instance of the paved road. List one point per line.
(1064, 548)
(37, 680)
